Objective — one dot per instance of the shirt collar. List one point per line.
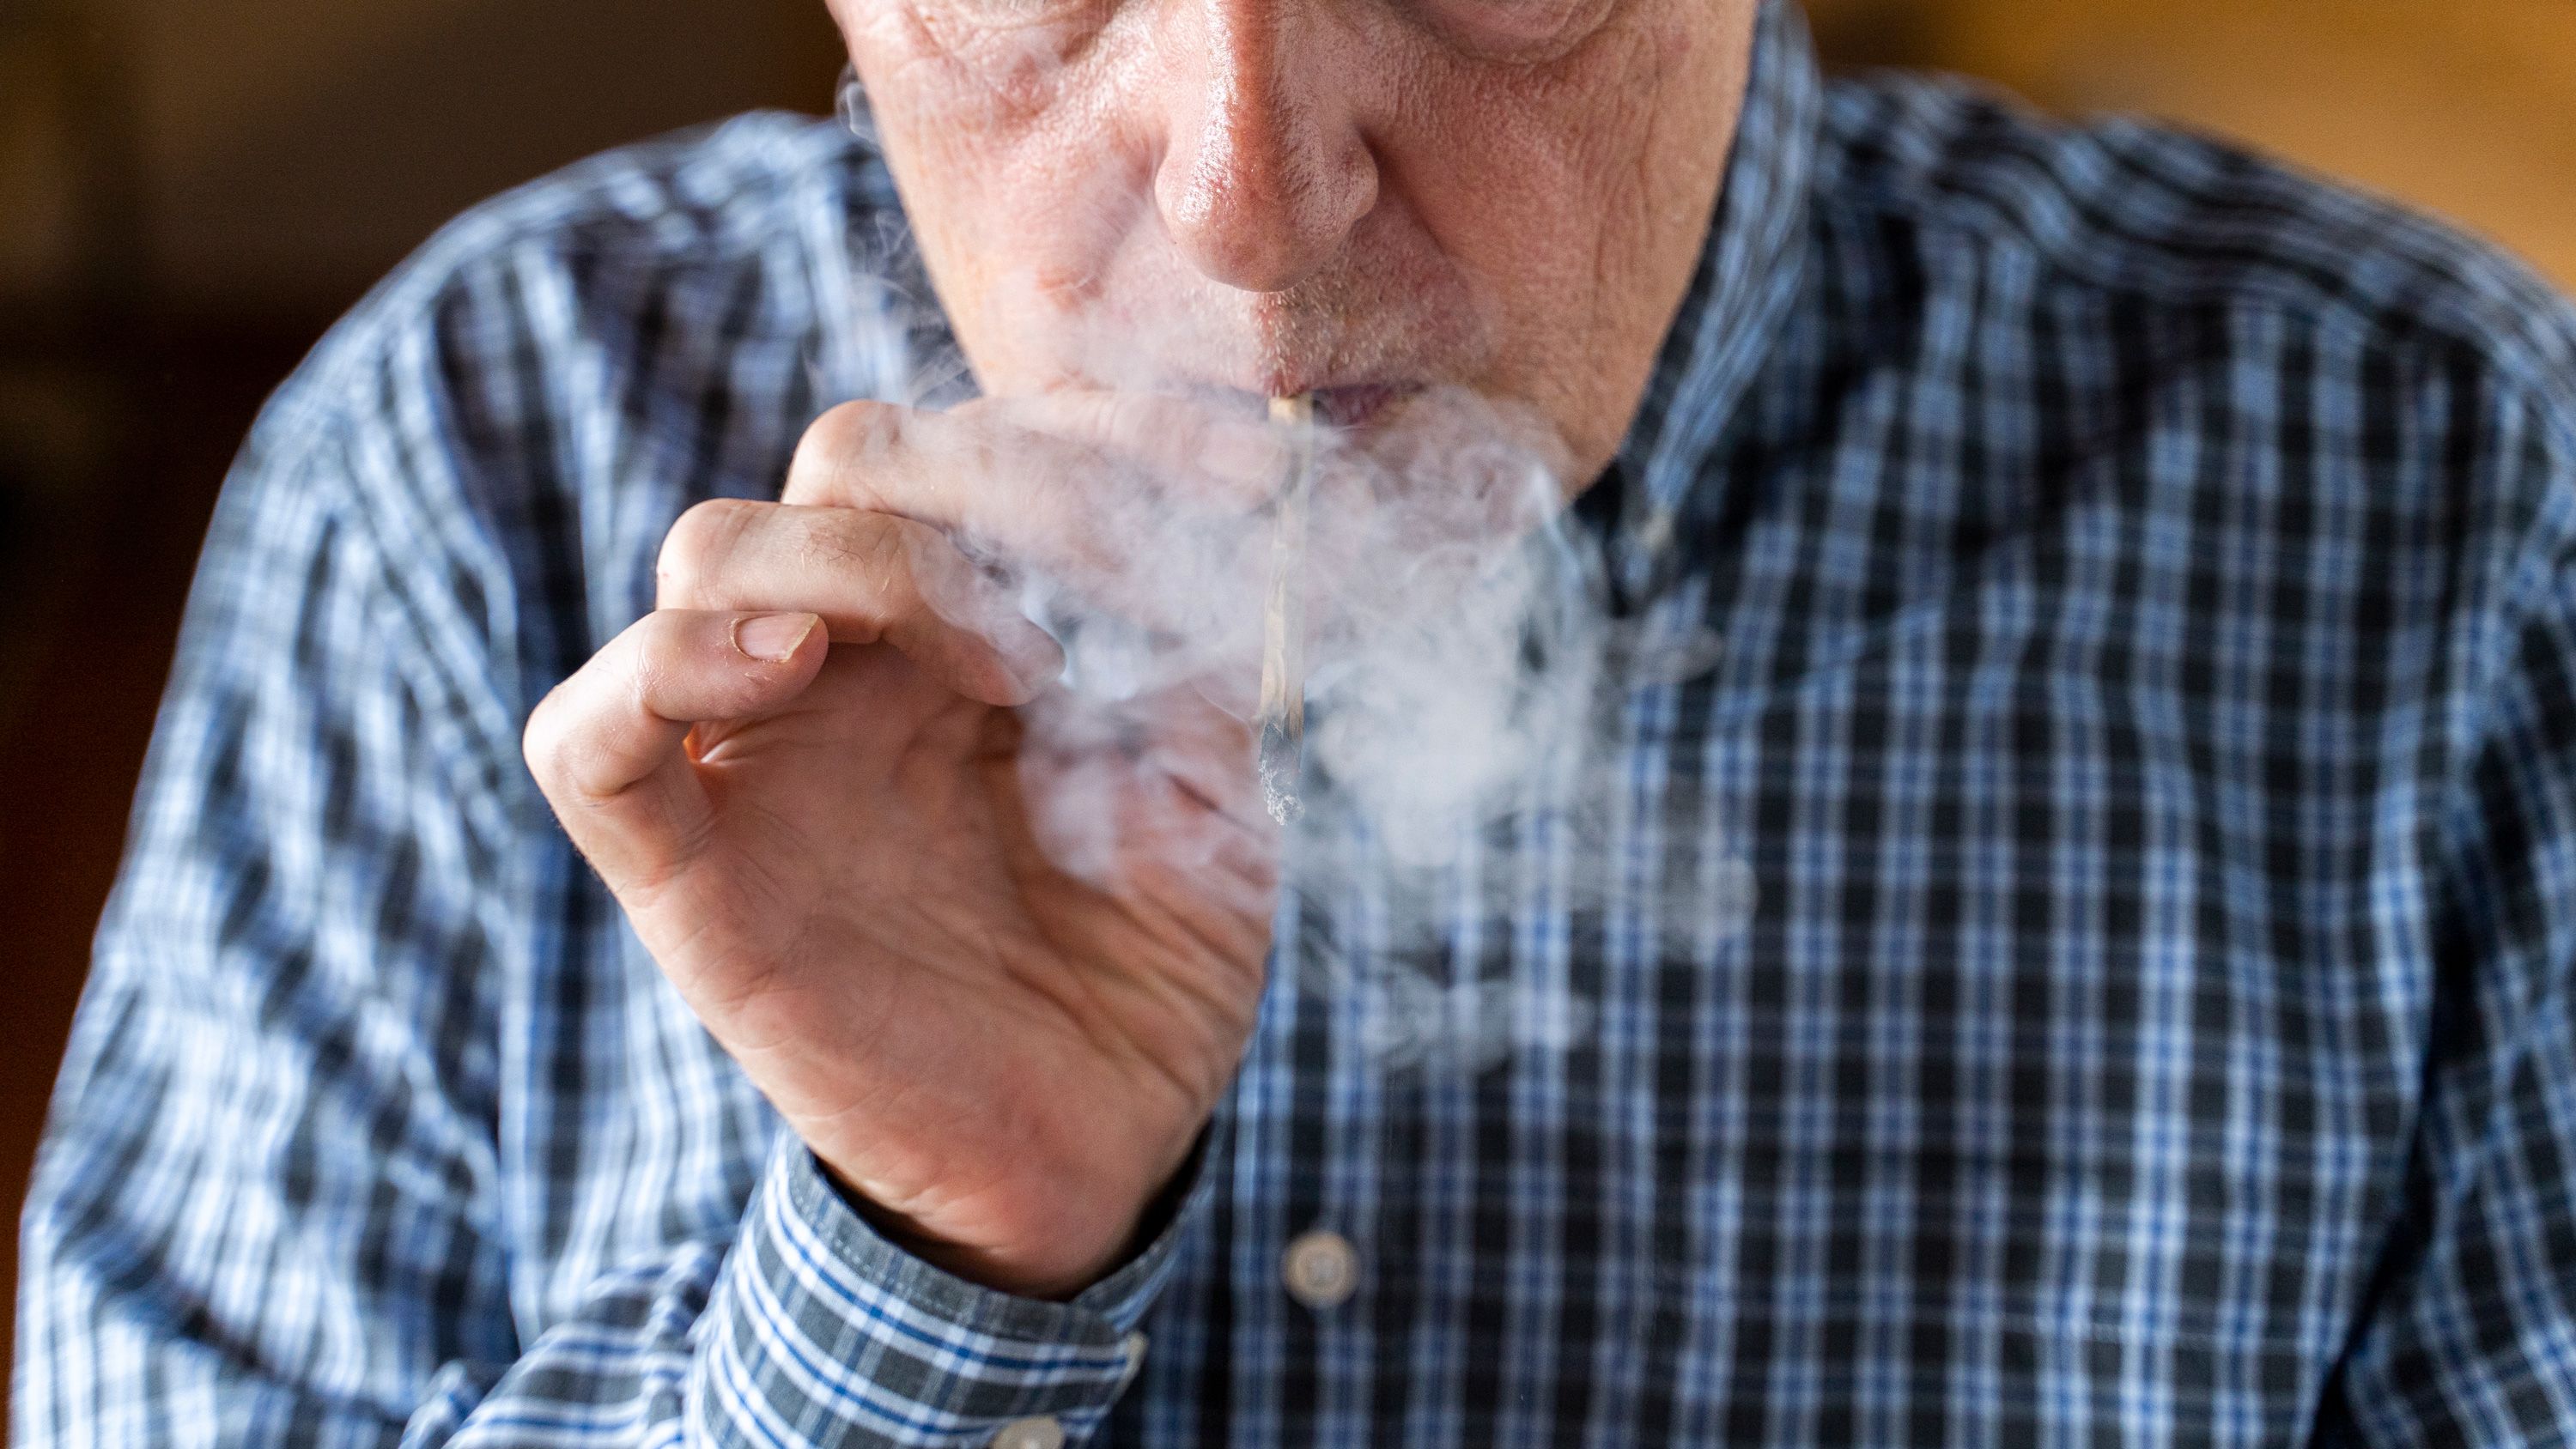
(1748, 276)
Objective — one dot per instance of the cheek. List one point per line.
(1578, 196)
(1559, 187)
(1012, 163)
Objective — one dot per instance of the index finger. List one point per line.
(1020, 470)
(1074, 508)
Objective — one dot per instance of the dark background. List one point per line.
(190, 190)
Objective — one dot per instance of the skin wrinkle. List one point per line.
(1604, 274)
(1267, 195)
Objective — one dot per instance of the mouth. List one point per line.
(1343, 407)
(1355, 406)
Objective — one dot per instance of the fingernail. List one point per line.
(772, 638)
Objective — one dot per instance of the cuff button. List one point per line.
(1042, 1432)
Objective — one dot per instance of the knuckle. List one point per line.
(1144, 425)
(883, 549)
(833, 458)
(836, 539)
(657, 660)
(1005, 408)
(546, 743)
(694, 551)
(1089, 415)
(858, 423)
(871, 559)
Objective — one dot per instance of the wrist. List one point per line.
(1081, 1254)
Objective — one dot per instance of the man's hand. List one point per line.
(830, 850)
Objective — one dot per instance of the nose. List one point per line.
(1265, 168)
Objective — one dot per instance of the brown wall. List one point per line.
(271, 154)
(2467, 107)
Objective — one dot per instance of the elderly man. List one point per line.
(2058, 925)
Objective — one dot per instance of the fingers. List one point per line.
(1154, 785)
(1207, 752)
(608, 745)
(1121, 490)
(1223, 458)
(1137, 508)
(870, 577)
(869, 454)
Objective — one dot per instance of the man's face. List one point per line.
(1363, 197)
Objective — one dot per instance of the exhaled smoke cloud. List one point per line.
(1466, 698)
(1466, 693)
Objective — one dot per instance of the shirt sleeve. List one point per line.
(2468, 1335)
(833, 1335)
(272, 1207)
(811, 1330)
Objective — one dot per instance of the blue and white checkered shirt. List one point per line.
(2114, 974)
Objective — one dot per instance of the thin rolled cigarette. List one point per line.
(1283, 645)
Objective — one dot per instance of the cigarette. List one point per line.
(1283, 647)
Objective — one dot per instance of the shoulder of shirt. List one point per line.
(2120, 205)
(712, 199)
(707, 192)
(432, 417)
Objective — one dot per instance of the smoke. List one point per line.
(1467, 701)
(1468, 696)
(1457, 628)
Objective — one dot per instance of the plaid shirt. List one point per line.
(2107, 973)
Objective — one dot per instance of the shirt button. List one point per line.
(1321, 1269)
(1135, 1346)
(1041, 1432)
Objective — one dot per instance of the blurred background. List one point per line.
(190, 192)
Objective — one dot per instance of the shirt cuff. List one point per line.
(823, 1332)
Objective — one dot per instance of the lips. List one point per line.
(1356, 405)
(1345, 407)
